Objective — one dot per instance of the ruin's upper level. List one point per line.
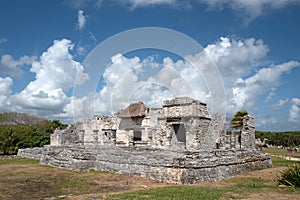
(182, 123)
(182, 107)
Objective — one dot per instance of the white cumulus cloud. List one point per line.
(294, 114)
(129, 80)
(246, 90)
(243, 64)
(235, 60)
(12, 67)
(240, 63)
(55, 73)
(5, 91)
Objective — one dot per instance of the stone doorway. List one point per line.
(179, 137)
(137, 136)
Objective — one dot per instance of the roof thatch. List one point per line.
(133, 110)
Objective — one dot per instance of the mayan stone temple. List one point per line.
(178, 143)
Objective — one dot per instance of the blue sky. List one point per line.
(46, 46)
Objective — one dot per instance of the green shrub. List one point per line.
(290, 176)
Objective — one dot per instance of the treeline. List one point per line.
(14, 136)
(287, 139)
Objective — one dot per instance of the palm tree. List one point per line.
(237, 121)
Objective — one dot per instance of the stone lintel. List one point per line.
(178, 119)
(182, 101)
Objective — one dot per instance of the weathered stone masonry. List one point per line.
(178, 143)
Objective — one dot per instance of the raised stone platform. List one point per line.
(183, 167)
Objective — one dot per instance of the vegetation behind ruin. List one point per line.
(19, 130)
(286, 139)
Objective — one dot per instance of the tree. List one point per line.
(8, 141)
(237, 121)
(50, 126)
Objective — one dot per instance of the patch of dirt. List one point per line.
(272, 196)
(266, 174)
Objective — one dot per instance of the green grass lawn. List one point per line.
(276, 151)
(5, 160)
(279, 162)
(234, 188)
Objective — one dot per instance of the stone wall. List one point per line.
(31, 153)
(161, 165)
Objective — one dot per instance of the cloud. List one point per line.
(236, 59)
(128, 80)
(12, 67)
(240, 62)
(3, 40)
(271, 94)
(280, 104)
(247, 9)
(146, 3)
(250, 9)
(80, 4)
(265, 121)
(81, 17)
(246, 90)
(243, 64)
(294, 112)
(55, 73)
(5, 91)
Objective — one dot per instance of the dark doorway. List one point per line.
(137, 135)
(180, 132)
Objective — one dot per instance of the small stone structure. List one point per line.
(178, 143)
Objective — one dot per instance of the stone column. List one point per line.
(81, 136)
(95, 137)
(248, 133)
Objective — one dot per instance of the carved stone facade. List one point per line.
(179, 142)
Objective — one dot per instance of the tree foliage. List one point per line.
(16, 136)
(287, 139)
(237, 120)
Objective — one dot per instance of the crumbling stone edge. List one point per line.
(181, 167)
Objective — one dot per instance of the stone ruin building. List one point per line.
(178, 143)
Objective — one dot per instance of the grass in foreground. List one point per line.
(26, 179)
(235, 188)
(172, 192)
